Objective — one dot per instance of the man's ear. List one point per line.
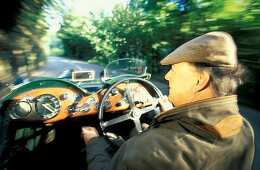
(203, 81)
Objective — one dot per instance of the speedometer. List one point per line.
(47, 106)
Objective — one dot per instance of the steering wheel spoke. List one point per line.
(138, 126)
(116, 120)
(130, 95)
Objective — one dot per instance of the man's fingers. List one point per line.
(89, 130)
(89, 133)
(165, 98)
(165, 104)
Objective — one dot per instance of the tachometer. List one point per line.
(47, 106)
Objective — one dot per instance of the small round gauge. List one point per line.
(115, 92)
(21, 110)
(47, 106)
(91, 100)
(107, 105)
(78, 97)
(65, 96)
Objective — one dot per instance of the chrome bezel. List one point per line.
(14, 115)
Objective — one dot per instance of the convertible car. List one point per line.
(41, 120)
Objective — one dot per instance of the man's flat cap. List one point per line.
(216, 48)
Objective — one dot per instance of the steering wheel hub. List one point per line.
(135, 112)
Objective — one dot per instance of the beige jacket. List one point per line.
(209, 134)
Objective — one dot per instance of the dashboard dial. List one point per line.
(47, 106)
(107, 105)
(78, 97)
(83, 108)
(75, 109)
(66, 96)
(115, 92)
(21, 110)
(91, 100)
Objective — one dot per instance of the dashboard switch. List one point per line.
(119, 104)
(65, 96)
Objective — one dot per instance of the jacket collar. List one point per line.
(217, 116)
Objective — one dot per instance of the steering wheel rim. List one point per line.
(133, 114)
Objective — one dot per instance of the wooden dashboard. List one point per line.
(54, 103)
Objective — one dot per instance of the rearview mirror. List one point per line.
(83, 75)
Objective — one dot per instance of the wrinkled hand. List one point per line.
(165, 104)
(89, 133)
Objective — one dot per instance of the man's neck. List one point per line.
(204, 94)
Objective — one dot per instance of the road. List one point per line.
(56, 65)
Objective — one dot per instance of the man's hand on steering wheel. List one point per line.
(165, 104)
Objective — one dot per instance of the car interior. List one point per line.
(41, 122)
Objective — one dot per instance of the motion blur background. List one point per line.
(30, 30)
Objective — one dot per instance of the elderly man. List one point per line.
(204, 130)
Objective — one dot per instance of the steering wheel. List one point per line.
(135, 113)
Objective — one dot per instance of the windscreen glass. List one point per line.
(127, 66)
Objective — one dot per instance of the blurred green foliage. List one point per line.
(21, 30)
(151, 29)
